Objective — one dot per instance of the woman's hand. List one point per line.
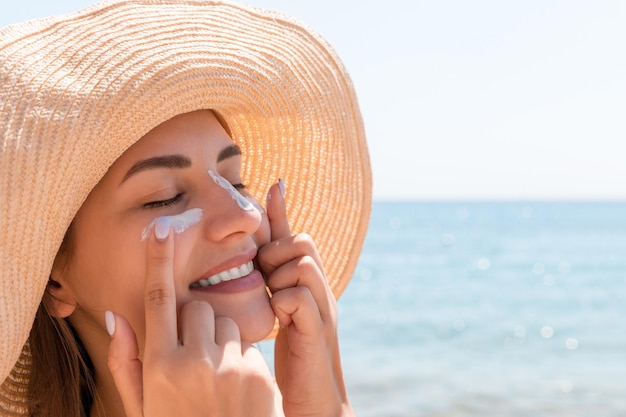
(208, 372)
(308, 368)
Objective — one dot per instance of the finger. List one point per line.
(275, 254)
(255, 360)
(124, 364)
(277, 212)
(160, 297)
(197, 324)
(263, 392)
(295, 307)
(305, 272)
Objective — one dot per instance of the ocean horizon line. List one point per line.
(521, 200)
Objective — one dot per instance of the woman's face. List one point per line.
(166, 173)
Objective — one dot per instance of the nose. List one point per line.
(228, 213)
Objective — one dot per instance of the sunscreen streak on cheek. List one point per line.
(179, 222)
(242, 201)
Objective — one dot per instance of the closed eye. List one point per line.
(164, 203)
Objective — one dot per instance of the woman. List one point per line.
(138, 140)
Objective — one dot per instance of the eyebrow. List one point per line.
(176, 161)
(165, 161)
(228, 152)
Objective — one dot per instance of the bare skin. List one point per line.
(177, 349)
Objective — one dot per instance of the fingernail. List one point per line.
(162, 228)
(109, 320)
(281, 185)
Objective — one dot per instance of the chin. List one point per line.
(256, 327)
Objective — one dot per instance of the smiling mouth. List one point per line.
(228, 275)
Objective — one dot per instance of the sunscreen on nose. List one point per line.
(242, 201)
(179, 223)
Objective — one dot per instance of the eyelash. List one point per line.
(164, 203)
(178, 197)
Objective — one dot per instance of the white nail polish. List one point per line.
(281, 185)
(109, 320)
(162, 228)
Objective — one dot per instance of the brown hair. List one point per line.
(61, 382)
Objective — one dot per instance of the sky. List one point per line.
(473, 100)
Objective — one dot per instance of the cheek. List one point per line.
(108, 273)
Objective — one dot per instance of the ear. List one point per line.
(62, 300)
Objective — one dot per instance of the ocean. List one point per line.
(488, 309)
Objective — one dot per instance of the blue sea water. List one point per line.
(488, 309)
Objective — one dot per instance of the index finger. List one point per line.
(277, 212)
(160, 295)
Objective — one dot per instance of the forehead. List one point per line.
(195, 133)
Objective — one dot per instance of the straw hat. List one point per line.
(78, 90)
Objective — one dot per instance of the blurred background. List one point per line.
(492, 281)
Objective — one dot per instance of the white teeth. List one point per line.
(232, 273)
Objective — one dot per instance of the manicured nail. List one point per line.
(281, 185)
(162, 228)
(109, 320)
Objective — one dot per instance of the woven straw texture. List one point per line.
(78, 90)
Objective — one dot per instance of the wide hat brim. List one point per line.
(78, 90)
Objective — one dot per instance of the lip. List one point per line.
(233, 262)
(251, 281)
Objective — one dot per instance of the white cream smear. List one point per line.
(242, 201)
(179, 223)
